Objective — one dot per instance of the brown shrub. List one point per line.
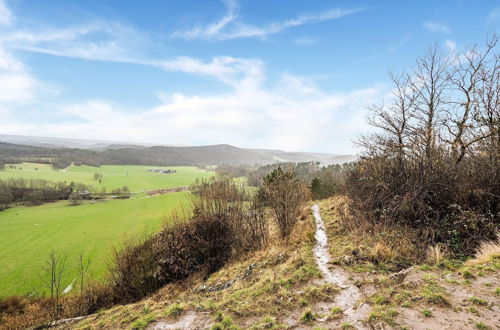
(224, 223)
(286, 195)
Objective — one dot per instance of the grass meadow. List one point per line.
(28, 234)
(136, 177)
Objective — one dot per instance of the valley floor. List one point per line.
(318, 282)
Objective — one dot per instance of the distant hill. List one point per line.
(51, 142)
(62, 152)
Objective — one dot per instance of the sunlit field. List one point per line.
(137, 178)
(28, 234)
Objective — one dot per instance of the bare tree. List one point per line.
(54, 278)
(466, 79)
(430, 82)
(83, 267)
(286, 195)
(487, 113)
(394, 120)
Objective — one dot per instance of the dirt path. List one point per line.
(350, 294)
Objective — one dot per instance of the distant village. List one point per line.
(162, 171)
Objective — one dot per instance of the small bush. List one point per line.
(435, 295)
(308, 317)
(336, 310)
(481, 326)
(286, 195)
(478, 301)
(174, 310)
(226, 323)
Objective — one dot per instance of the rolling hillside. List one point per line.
(112, 153)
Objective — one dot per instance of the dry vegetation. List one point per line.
(226, 223)
(434, 165)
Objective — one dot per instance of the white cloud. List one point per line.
(293, 115)
(16, 83)
(96, 40)
(437, 27)
(235, 72)
(228, 27)
(450, 45)
(6, 16)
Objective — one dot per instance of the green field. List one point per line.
(28, 234)
(137, 178)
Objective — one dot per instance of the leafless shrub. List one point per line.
(434, 164)
(286, 195)
(54, 278)
(225, 222)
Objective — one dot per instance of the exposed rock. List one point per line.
(401, 275)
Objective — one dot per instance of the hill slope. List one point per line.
(283, 287)
(112, 153)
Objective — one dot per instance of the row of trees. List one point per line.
(36, 191)
(324, 181)
(434, 162)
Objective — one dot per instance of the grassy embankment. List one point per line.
(280, 287)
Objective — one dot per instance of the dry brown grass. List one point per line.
(362, 242)
(487, 252)
(382, 252)
(436, 254)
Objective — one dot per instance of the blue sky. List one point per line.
(292, 75)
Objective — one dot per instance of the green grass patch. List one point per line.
(337, 310)
(478, 301)
(226, 323)
(308, 317)
(434, 294)
(174, 310)
(136, 177)
(427, 313)
(481, 326)
(28, 235)
(142, 323)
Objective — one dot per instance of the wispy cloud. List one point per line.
(494, 15)
(229, 27)
(235, 72)
(436, 27)
(96, 40)
(6, 16)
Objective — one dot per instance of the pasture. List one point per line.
(28, 234)
(136, 177)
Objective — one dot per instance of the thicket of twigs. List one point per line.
(434, 163)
